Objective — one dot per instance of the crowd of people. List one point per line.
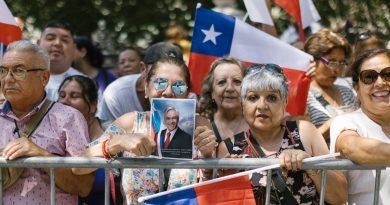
(56, 99)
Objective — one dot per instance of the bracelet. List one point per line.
(105, 154)
(111, 158)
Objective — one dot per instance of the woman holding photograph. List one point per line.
(167, 78)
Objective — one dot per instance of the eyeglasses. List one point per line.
(334, 64)
(18, 73)
(257, 67)
(370, 76)
(178, 87)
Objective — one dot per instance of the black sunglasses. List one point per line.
(257, 67)
(370, 76)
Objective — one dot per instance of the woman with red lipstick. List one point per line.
(264, 94)
(222, 103)
(326, 99)
(363, 136)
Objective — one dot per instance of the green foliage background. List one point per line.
(142, 22)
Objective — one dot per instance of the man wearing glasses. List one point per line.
(62, 131)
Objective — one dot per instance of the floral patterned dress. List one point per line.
(299, 183)
(142, 182)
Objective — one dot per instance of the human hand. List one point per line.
(138, 144)
(311, 70)
(225, 172)
(291, 159)
(205, 140)
(23, 147)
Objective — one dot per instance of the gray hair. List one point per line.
(29, 46)
(169, 109)
(265, 79)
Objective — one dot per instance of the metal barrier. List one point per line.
(94, 162)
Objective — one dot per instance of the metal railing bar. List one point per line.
(52, 186)
(268, 188)
(95, 162)
(377, 185)
(161, 179)
(323, 186)
(106, 186)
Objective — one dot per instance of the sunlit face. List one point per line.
(375, 97)
(171, 120)
(71, 94)
(129, 62)
(29, 89)
(263, 109)
(226, 86)
(60, 45)
(2, 98)
(170, 72)
(324, 74)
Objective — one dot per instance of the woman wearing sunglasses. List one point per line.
(264, 94)
(167, 78)
(327, 99)
(363, 136)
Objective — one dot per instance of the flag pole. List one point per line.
(245, 17)
(273, 166)
(1, 52)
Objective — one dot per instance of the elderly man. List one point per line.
(57, 40)
(62, 131)
(175, 142)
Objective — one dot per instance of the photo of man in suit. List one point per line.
(174, 141)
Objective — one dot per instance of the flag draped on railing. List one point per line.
(216, 35)
(234, 189)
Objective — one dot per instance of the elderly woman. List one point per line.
(167, 78)
(222, 103)
(363, 135)
(264, 94)
(327, 99)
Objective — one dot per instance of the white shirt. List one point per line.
(55, 82)
(362, 182)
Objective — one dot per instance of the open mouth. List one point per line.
(381, 94)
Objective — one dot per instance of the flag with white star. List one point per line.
(216, 35)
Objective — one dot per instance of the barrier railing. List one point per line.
(82, 162)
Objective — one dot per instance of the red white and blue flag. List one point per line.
(9, 31)
(216, 35)
(235, 191)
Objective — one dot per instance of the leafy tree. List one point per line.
(114, 23)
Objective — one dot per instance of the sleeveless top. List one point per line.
(299, 183)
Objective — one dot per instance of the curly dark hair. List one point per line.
(208, 106)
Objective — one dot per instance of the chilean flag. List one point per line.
(216, 35)
(235, 191)
(9, 31)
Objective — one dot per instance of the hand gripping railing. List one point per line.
(82, 162)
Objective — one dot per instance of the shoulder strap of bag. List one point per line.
(277, 179)
(37, 118)
(216, 133)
